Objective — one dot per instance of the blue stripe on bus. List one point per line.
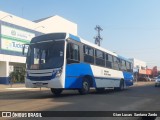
(74, 38)
(77, 69)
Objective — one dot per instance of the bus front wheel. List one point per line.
(56, 91)
(85, 87)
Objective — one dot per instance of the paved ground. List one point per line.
(143, 96)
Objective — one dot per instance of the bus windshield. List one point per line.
(45, 55)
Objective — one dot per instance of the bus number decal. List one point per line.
(106, 73)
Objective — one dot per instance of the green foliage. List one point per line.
(17, 75)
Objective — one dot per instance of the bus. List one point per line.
(62, 61)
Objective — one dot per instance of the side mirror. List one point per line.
(24, 47)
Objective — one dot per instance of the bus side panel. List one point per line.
(128, 78)
(105, 77)
(74, 74)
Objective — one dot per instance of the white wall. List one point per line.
(4, 68)
(16, 20)
(49, 25)
(57, 24)
(139, 63)
(52, 24)
(11, 58)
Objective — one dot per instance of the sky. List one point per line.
(131, 28)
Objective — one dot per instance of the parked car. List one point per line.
(148, 78)
(145, 79)
(154, 78)
(157, 81)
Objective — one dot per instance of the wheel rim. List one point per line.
(85, 86)
(122, 86)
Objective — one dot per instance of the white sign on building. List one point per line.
(13, 39)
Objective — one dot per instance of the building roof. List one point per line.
(39, 20)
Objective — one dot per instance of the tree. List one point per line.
(17, 76)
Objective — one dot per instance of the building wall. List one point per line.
(3, 68)
(57, 24)
(149, 71)
(11, 58)
(16, 31)
(9, 18)
(4, 72)
(138, 64)
(52, 24)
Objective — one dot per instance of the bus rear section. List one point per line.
(89, 67)
(83, 76)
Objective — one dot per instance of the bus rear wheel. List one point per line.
(56, 92)
(85, 87)
(121, 86)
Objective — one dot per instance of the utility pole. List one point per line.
(98, 38)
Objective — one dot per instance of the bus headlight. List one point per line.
(58, 73)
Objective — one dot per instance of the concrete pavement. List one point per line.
(142, 96)
(18, 86)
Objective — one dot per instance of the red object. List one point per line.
(155, 71)
(149, 71)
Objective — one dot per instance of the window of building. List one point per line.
(143, 68)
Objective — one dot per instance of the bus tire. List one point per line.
(100, 90)
(121, 86)
(56, 92)
(85, 86)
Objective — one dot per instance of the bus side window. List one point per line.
(68, 51)
(128, 65)
(119, 63)
(123, 67)
(109, 61)
(88, 54)
(115, 63)
(100, 58)
(131, 65)
(72, 53)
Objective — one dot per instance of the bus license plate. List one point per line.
(39, 84)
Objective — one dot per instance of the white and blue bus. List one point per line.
(62, 61)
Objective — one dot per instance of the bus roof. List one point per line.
(76, 38)
(63, 35)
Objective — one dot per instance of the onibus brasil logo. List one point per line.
(21, 114)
